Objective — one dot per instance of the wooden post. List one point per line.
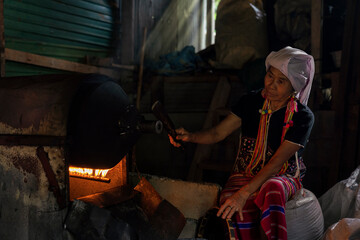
(316, 33)
(2, 40)
(141, 70)
(348, 109)
(210, 23)
(202, 24)
(316, 47)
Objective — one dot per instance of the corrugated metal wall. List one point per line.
(64, 29)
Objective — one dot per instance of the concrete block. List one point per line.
(192, 199)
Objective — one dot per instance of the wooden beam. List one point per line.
(2, 40)
(316, 50)
(141, 70)
(55, 63)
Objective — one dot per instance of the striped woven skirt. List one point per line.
(265, 208)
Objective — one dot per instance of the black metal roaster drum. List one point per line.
(102, 125)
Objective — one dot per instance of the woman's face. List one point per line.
(277, 85)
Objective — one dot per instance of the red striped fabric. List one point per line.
(265, 207)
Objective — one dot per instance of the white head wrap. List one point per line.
(297, 66)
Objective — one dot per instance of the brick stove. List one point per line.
(47, 124)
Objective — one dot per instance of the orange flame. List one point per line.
(88, 172)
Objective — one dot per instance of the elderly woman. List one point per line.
(276, 124)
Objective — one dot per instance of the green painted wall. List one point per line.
(64, 29)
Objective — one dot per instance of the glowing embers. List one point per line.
(89, 173)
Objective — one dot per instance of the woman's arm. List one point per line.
(237, 201)
(212, 135)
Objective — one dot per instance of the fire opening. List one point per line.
(89, 173)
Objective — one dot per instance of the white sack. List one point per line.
(241, 33)
(342, 200)
(304, 217)
(293, 22)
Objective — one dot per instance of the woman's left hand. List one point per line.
(233, 204)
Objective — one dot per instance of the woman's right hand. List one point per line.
(233, 204)
(182, 135)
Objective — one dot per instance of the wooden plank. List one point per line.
(127, 40)
(203, 151)
(335, 83)
(125, 67)
(107, 63)
(2, 40)
(55, 63)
